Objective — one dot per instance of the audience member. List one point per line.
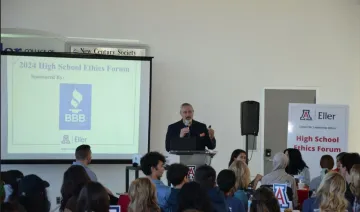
(226, 181)
(142, 194)
(75, 177)
(193, 197)
(206, 176)
(355, 186)
(346, 163)
(279, 175)
(152, 165)
(326, 164)
(239, 154)
(11, 179)
(33, 194)
(93, 197)
(338, 164)
(242, 174)
(83, 158)
(264, 201)
(297, 166)
(176, 175)
(330, 195)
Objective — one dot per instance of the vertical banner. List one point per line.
(317, 130)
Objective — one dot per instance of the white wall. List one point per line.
(214, 54)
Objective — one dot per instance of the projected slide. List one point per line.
(56, 104)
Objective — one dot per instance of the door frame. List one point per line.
(262, 113)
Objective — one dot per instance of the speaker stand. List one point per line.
(250, 144)
(247, 148)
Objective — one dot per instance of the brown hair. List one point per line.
(355, 180)
(142, 193)
(327, 162)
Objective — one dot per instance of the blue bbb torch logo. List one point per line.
(75, 107)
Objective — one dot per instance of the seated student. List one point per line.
(226, 181)
(239, 154)
(296, 165)
(206, 176)
(355, 186)
(330, 195)
(176, 175)
(75, 177)
(93, 197)
(33, 194)
(326, 164)
(346, 163)
(152, 165)
(264, 201)
(142, 193)
(242, 174)
(193, 197)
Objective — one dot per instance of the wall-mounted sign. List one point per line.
(118, 51)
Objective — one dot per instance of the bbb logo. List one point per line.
(75, 107)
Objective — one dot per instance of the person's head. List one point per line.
(280, 161)
(296, 163)
(186, 111)
(177, 174)
(242, 174)
(193, 196)
(264, 201)
(327, 162)
(205, 175)
(226, 180)
(340, 155)
(83, 154)
(152, 165)
(332, 192)
(347, 161)
(355, 180)
(93, 197)
(237, 154)
(142, 193)
(33, 194)
(74, 179)
(12, 178)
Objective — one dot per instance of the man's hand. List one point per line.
(211, 133)
(184, 131)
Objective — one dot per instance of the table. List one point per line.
(136, 169)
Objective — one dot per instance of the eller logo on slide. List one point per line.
(306, 115)
(75, 107)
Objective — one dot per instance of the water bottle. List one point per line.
(249, 202)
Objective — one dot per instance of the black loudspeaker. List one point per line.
(250, 112)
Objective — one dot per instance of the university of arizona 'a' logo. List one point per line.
(281, 196)
(306, 115)
(191, 173)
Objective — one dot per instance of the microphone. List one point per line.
(187, 123)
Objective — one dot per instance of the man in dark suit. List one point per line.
(187, 127)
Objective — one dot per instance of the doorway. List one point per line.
(276, 103)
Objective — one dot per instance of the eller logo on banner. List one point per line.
(191, 173)
(306, 115)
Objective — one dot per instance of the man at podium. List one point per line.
(187, 127)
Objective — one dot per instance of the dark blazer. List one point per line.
(196, 129)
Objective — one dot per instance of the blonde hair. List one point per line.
(142, 193)
(332, 193)
(242, 174)
(355, 180)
